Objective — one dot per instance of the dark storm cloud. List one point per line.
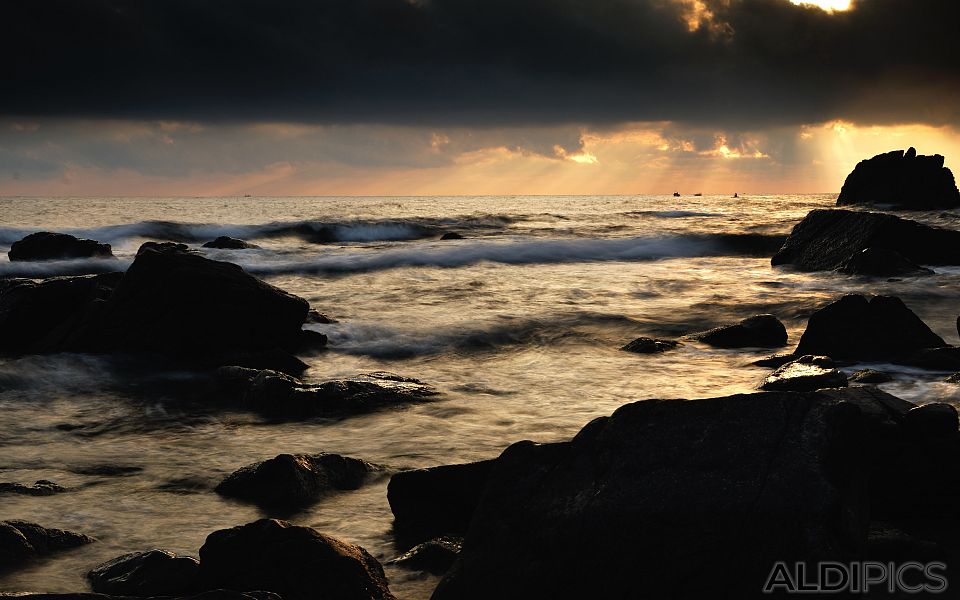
(481, 62)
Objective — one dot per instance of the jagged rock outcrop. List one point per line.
(826, 240)
(45, 245)
(760, 331)
(645, 345)
(147, 574)
(21, 542)
(902, 180)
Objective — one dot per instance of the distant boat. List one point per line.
(698, 194)
(246, 195)
(736, 195)
(676, 194)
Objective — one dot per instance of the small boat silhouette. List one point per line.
(698, 194)
(676, 194)
(736, 195)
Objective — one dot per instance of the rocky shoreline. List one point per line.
(678, 499)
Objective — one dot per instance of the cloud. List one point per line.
(482, 63)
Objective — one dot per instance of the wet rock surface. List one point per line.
(45, 245)
(434, 556)
(228, 243)
(21, 542)
(147, 574)
(858, 328)
(806, 374)
(295, 480)
(645, 345)
(760, 331)
(298, 563)
(826, 240)
(41, 488)
(870, 376)
(281, 396)
(903, 180)
(881, 262)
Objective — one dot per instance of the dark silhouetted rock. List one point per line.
(208, 595)
(931, 420)
(881, 262)
(175, 302)
(228, 243)
(299, 563)
(282, 396)
(645, 345)
(828, 239)
(21, 542)
(294, 480)
(451, 235)
(905, 181)
(955, 378)
(45, 245)
(776, 361)
(434, 556)
(315, 316)
(147, 574)
(881, 328)
(437, 501)
(806, 374)
(39, 316)
(40, 488)
(760, 331)
(670, 499)
(944, 358)
(870, 376)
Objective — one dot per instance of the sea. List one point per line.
(518, 325)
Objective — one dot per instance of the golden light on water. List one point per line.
(826, 4)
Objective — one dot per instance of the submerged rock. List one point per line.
(645, 345)
(294, 480)
(228, 243)
(437, 501)
(881, 262)
(21, 541)
(299, 563)
(40, 488)
(147, 574)
(806, 374)
(903, 180)
(434, 556)
(775, 361)
(45, 245)
(281, 396)
(831, 239)
(760, 331)
(881, 328)
(870, 376)
(662, 490)
(451, 235)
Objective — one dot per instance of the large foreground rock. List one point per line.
(902, 180)
(853, 327)
(45, 245)
(670, 499)
(299, 563)
(760, 331)
(294, 480)
(437, 501)
(832, 239)
(281, 396)
(21, 542)
(146, 574)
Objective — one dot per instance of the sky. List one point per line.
(468, 97)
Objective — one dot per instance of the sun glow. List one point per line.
(826, 4)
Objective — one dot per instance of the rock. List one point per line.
(829, 239)
(870, 376)
(21, 542)
(881, 262)
(888, 545)
(228, 243)
(905, 181)
(147, 574)
(299, 563)
(39, 316)
(281, 396)
(936, 419)
(434, 556)
(806, 374)
(944, 358)
(670, 499)
(451, 235)
(776, 361)
(645, 345)
(881, 328)
(209, 595)
(955, 378)
(760, 331)
(315, 316)
(170, 296)
(295, 480)
(40, 488)
(45, 245)
(437, 501)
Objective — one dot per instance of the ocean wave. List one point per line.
(317, 231)
(522, 252)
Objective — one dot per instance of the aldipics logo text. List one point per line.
(857, 578)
